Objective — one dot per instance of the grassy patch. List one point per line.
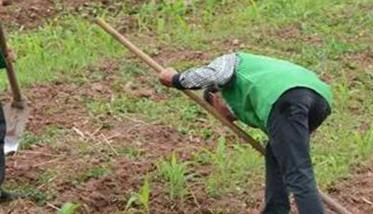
(94, 173)
(174, 172)
(232, 168)
(47, 177)
(130, 152)
(60, 50)
(334, 157)
(49, 136)
(69, 208)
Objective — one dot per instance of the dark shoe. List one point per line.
(7, 196)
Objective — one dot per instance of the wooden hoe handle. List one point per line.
(237, 130)
(17, 97)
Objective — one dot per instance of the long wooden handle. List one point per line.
(17, 97)
(237, 130)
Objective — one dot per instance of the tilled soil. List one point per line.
(62, 105)
(356, 192)
(33, 13)
(56, 105)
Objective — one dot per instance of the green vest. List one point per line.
(259, 81)
(2, 61)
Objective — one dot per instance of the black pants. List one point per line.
(2, 136)
(294, 116)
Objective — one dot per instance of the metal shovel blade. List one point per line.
(16, 120)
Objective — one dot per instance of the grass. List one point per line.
(60, 50)
(49, 135)
(174, 172)
(232, 168)
(330, 37)
(130, 152)
(353, 149)
(94, 173)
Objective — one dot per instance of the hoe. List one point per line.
(16, 112)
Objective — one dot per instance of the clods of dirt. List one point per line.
(356, 193)
(55, 105)
(33, 13)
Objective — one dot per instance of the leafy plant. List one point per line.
(220, 176)
(68, 208)
(142, 197)
(174, 172)
(231, 168)
(364, 142)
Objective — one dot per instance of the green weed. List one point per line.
(142, 197)
(364, 145)
(47, 176)
(28, 139)
(94, 173)
(33, 193)
(334, 157)
(68, 208)
(231, 168)
(132, 153)
(174, 172)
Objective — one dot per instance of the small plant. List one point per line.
(174, 172)
(68, 208)
(47, 176)
(220, 176)
(364, 144)
(142, 197)
(35, 194)
(94, 173)
(28, 139)
(231, 168)
(129, 152)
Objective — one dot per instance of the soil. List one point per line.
(356, 192)
(108, 193)
(60, 104)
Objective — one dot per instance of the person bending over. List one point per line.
(284, 100)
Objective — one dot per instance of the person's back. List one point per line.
(259, 81)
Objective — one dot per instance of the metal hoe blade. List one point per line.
(16, 120)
